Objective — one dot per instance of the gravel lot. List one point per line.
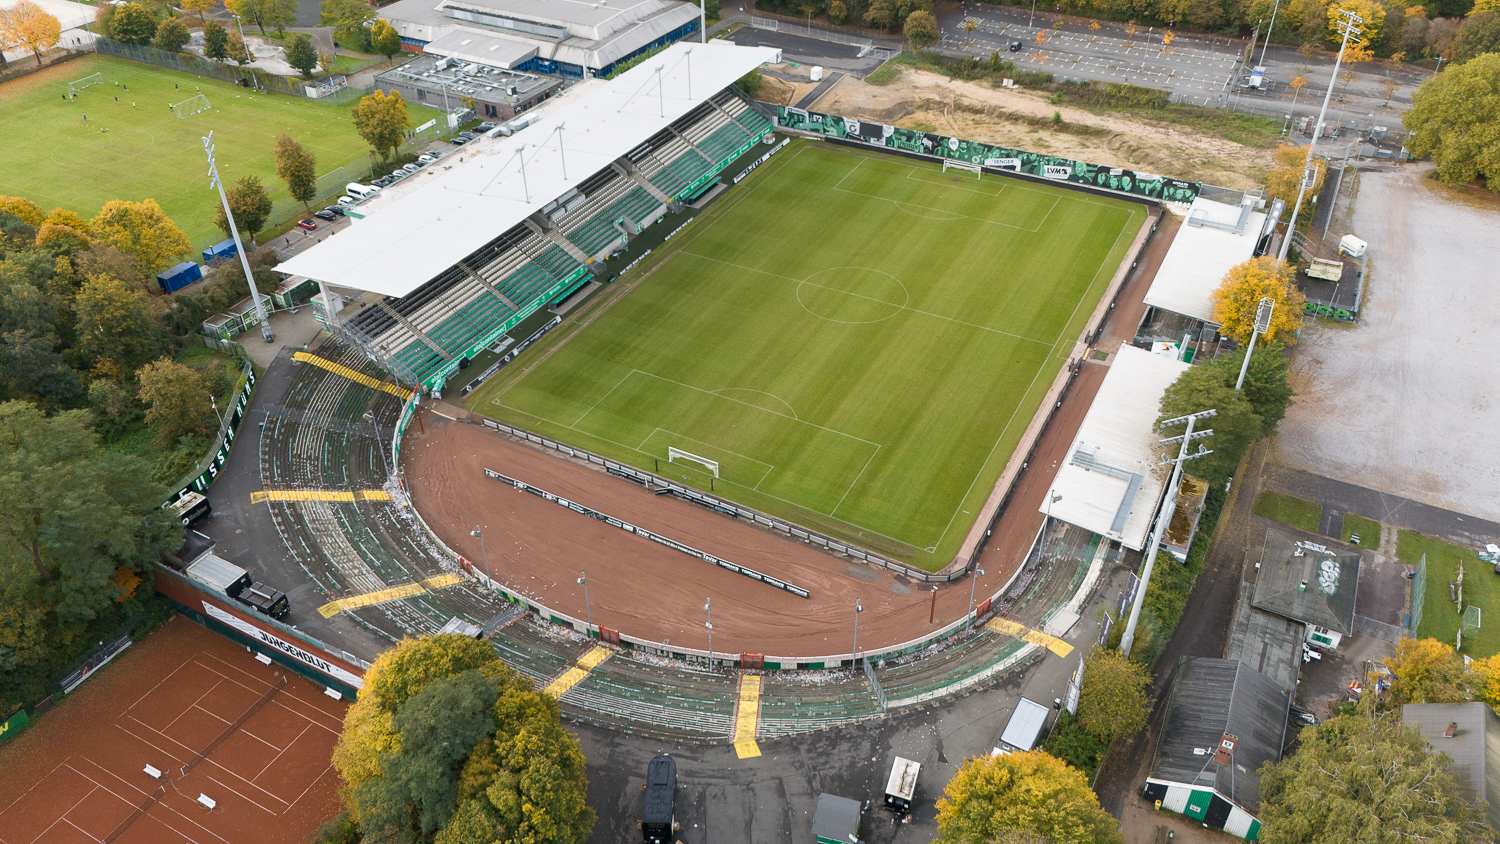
(1405, 401)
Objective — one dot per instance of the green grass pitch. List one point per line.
(858, 340)
(48, 154)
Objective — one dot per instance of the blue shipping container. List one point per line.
(179, 276)
(220, 251)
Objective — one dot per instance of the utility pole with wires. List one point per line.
(234, 231)
(1164, 515)
(1262, 325)
(1349, 25)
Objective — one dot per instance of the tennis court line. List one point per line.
(358, 377)
(575, 674)
(747, 717)
(382, 596)
(319, 495)
(1035, 637)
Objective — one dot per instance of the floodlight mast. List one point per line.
(234, 231)
(1262, 325)
(1349, 27)
(1164, 515)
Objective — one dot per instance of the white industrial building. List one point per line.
(578, 38)
(1110, 482)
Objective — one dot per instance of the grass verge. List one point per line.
(1300, 514)
(1368, 531)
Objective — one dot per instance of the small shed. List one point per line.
(1470, 734)
(836, 820)
(1224, 720)
(1309, 582)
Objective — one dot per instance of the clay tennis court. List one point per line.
(79, 774)
(643, 589)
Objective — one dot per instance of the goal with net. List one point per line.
(92, 79)
(675, 454)
(949, 164)
(191, 106)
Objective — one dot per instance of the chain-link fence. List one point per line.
(248, 77)
(1418, 595)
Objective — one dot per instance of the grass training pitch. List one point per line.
(1440, 617)
(859, 342)
(52, 156)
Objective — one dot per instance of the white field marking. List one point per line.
(756, 406)
(850, 488)
(1046, 343)
(606, 395)
(857, 165)
(789, 408)
(34, 786)
(242, 795)
(912, 171)
(955, 215)
(642, 449)
(262, 771)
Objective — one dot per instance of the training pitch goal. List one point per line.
(191, 106)
(963, 165)
(79, 84)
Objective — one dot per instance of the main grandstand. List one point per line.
(466, 254)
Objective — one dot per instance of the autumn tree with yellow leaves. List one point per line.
(1238, 298)
(141, 230)
(1020, 795)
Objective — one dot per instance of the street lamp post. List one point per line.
(710, 625)
(583, 580)
(1031, 24)
(234, 231)
(1266, 46)
(973, 581)
(476, 532)
(854, 654)
(1262, 325)
(1165, 514)
(1349, 25)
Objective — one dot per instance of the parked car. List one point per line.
(411, 168)
(1015, 46)
(346, 201)
(484, 127)
(336, 210)
(470, 135)
(459, 140)
(325, 214)
(307, 225)
(426, 158)
(383, 181)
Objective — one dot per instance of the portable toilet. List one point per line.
(817, 73)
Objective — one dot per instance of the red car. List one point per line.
(307, 225)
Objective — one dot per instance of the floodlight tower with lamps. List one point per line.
(234, 231)
(1165, 514)
(710, 625)
(583, 580)
(1349, 25)
(854, 654)
(479, 534)
(1262, 325)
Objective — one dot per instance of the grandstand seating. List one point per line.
(443, 319)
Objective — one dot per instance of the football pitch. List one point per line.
(858, 341)
(52, 156)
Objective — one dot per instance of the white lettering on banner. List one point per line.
(1004, 163)
(285, 647)
(1052, 171)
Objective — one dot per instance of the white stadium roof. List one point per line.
(1204, 250)
(494, 184)
(1109, 481)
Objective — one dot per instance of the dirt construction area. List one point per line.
(1405, 400)
(80, 774)
(1019, 118)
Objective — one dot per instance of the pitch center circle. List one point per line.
(852, 295)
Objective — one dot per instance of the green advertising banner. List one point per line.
(14, 725)
(986, 155)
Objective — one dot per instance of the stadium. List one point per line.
(779, 369)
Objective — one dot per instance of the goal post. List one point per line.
(949, 164)
(191, 106)
(674, 454)
(79, 84)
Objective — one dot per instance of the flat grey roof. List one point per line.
(1200, 256)
(835, 819)
(1474, 749)
(1025, 724)
(1271, 644)
(1211, 698)
(1307, 581)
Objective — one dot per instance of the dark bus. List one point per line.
(658, 819)
(191, 507)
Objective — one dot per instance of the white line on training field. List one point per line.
(606, 395)
(756, 406)
(850, 488)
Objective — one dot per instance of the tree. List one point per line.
(1030, 793)
(1478, 34)
(384, 39)
(921, 30)
(1360, 48)
(297, 167)
(1482, 6)
(381, 120)
(446, 744)
(881, 14)
(302, 55)
(250, 204)
(141, 230)
(215, 41)
(74, 513)
(32, 369)
(29, 212)
(235, 49)
(1427, 671)
(1288, 163)
(349, 17)
(176, 399)
(1235, 427)
(1365, 777)
(115, 325)
(28, 25)
(1113, 702)
(1265, 387)
(198, 8)
(1455, 119)
(1237, 299)
(171, 35)
(132, 24)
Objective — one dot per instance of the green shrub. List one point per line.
(1073, 744)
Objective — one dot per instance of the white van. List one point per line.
(361, 191)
